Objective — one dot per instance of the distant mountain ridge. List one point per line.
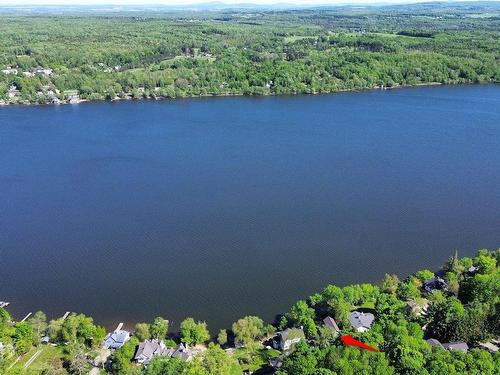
(221, 6)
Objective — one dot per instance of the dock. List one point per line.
(65, 315)
(4, 304)
(26, 317)
(119, 326)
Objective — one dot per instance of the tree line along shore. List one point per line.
(71, 58)
(443, 322)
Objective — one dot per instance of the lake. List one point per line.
(218, 208)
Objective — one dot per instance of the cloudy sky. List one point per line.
(181, 2)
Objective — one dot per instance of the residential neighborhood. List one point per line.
(77, 345)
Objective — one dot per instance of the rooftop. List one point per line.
(361, 319)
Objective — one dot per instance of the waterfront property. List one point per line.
(436, 283)
(361, 321)
(286, 339)
(116, 339)
(149, 349)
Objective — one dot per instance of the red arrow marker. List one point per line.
(350, 341)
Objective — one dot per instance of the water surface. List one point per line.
(222, 207)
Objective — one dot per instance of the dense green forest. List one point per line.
(95, 56)
(415, 320)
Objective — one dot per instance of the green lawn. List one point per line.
(255, 359)
(48, 353)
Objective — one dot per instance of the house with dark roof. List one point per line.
(449, 345)
(149, 349)
(288, 338)
(330, 323)
(361, 321)
(435, 342)
(181, 351)
(456, 346)
(436, 283)
(276, 363)
(116, 339)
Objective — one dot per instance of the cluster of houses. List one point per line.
(29, 73)
(48, 95)
(147, 349)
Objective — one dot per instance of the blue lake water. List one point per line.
(223, 207)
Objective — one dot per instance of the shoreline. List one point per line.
(162, 98)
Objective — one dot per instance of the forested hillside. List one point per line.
(53, 58)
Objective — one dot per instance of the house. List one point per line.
(13, 92)
(330, 323)
(287, 338)
(45, 339)
(415, 308)
(436, 283)
(181, 351)
(434, 342)
(472, 270)
(149, 349)
(276, 363)
(456, 346)
(9, 70)
(361, 321)
(116, 339)
(42, 70)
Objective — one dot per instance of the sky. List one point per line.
(188, 2)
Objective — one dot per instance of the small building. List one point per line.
(13, 92)
(149, 349)
(436, 283)
(435, 342)
(330, 323)
(9, 70)
(456, 346)
(276, 363)
(116, 339)
(472, 270)
(288, 338)
(42, 70)
(361, 321)
(45, 339)
(417, 308)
